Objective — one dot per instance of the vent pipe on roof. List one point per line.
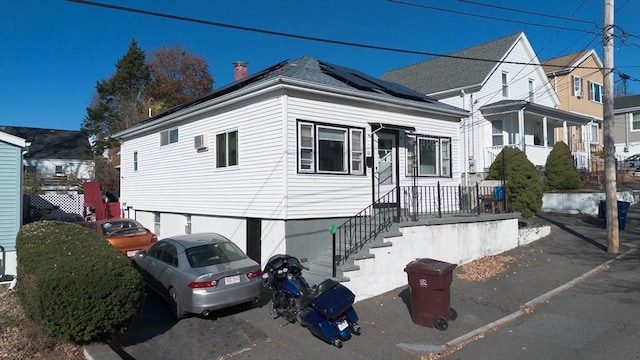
(239, 70)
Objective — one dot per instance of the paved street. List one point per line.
(597, 319)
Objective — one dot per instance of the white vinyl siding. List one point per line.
(10, 195)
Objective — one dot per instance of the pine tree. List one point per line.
(120, 101)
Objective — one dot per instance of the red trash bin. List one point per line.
(429, 285)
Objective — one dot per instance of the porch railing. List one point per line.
(414, 202)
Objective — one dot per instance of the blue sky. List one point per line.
(52, 52)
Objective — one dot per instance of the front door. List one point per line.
(385, 165)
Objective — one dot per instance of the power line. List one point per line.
(487, 16)
(297, 36)
(528, 12)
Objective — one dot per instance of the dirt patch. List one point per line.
(21, 339)
(485, 268)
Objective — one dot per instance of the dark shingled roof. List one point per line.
(626, 102)
(445, 73)
(309, 69)
(51, 143)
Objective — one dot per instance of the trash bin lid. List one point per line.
(429, 267)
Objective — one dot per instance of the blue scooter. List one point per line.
(326, 309)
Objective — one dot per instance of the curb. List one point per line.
(527, 308)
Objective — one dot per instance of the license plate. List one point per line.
(343, 325)
(132, 253)
(232, 279)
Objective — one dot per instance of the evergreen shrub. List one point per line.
(73, 283)
(560, 172)
(524, 190)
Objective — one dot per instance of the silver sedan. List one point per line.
(198, 273)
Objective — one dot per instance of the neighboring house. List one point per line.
(273, 159)
(60, 160)
(511, 100)
(626, 129)
(577, 79)
(11, 150)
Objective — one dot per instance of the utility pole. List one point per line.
(609, 144)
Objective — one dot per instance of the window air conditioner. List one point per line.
(200, 142)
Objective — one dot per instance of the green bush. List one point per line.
(524, 191)
(73, 283)
(560, 172)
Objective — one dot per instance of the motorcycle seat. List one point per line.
(318, 290)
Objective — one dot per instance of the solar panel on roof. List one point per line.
(363, 81)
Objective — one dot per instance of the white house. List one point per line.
(11, 151)
(273, 159)
(507, 92)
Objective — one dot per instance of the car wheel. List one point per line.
(176, 306)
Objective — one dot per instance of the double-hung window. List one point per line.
(577, 86)
(635, 122)
(594, 133)
(532, 96)
(168, 137)
(227, 149)
(505, 84)
(330, 149)
(135, 161)
(595, 92)
(431, 156)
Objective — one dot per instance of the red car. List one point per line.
(127, 235)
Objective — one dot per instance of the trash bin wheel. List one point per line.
(337, 343)
(453, 314)
(441, 323)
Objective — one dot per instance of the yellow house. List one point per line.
(578, 79)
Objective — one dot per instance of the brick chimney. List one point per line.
(239, 70)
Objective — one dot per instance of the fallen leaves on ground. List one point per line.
(22, 339)
(485, 268)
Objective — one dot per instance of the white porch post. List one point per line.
(565, 133)
(521, 128)
(545, 139)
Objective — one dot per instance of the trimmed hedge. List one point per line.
(560, 171)
(524, 188)
(75, 284)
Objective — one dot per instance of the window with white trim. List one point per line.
(496, 133)
(432, 155)
(505, 84)
(635, 122)
(595, 92)
(594, 133)
(330, 149)
(532, 96)
(59, 170)
(577, 86)
(227, 149)
(168, 137)
(135, 161)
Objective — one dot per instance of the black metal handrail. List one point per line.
(414, 202)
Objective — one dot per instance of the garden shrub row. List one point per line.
(75, 284)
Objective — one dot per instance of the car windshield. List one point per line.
(123, 227)
(213, 254)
